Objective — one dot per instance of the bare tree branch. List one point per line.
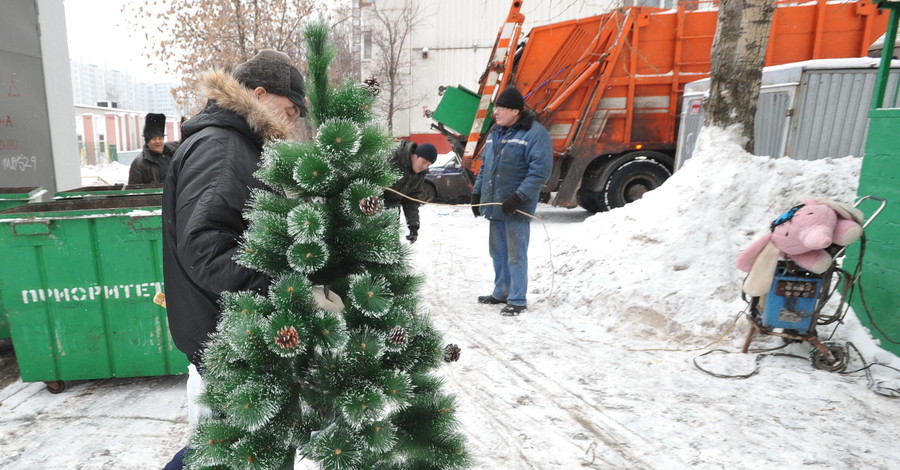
(392, 29)
(188, 36)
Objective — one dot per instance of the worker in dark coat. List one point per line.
(206, 190)
(411, 161)
(151, 165)
(210, 183)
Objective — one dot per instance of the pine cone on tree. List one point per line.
(451, 353)
(313, 234)
(287, 338)
(369, 205)
(372, 85)
(398, 335)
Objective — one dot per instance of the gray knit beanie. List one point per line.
(273, 71)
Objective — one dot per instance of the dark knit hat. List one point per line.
(511, 98)
(273, 71)
(154, 126)
(426, 151)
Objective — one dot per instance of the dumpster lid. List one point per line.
(67, 208)
(115, 190)
(22, 192)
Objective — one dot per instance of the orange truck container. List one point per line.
(608, 88)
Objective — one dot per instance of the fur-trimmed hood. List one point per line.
(229, 94)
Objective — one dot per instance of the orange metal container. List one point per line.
(611, 84)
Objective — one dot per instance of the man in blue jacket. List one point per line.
(516, 163)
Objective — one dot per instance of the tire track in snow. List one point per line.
(617, 443)
(499, 386)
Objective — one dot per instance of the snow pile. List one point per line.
(599, 372)
(106, 174)
(664, 265)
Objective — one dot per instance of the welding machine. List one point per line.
(792, 302)
(792, 307)
(791, 310)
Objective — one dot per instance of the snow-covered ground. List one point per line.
(599, 372)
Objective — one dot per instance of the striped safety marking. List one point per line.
(490, 85)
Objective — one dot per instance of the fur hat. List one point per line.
(273, 71)
(426, 151)
(154, 126)
(511, 98)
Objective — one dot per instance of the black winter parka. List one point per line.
(207, 188)
(411, 184)
(151, 168)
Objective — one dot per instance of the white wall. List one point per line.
(58, 83)
(37, 131)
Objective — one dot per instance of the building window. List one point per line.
(367, 45)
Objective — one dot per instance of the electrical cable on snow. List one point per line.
(757, 360)
(876, 387)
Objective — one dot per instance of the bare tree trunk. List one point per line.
(242, 37)
(738, 56)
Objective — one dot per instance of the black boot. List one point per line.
(512, 310)
(490, 300)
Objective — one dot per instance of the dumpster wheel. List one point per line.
(57, 386)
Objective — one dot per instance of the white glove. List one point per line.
(330, 301)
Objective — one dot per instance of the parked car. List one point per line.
(447, 183)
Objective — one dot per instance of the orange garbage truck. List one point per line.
(608, 88)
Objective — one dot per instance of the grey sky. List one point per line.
(98, 34)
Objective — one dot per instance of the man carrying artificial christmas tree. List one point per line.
(411, 160)
(208, 187)
(517, 160)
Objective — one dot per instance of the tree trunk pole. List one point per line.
(738, 56)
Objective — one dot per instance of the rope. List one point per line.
(546, 232)
(457, 205)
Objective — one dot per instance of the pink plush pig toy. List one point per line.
(801, 234)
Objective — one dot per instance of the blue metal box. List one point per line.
(791, 302)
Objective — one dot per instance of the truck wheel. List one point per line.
(632, 179)
(429, 193)
(590, 195)
(591, 201)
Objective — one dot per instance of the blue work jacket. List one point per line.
(517, 159)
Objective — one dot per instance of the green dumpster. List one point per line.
(78, 280)
(114, 190)
(457, 110)
(12, 197)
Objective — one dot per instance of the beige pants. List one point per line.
(195, 387)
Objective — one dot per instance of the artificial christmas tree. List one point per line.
(351, 387)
